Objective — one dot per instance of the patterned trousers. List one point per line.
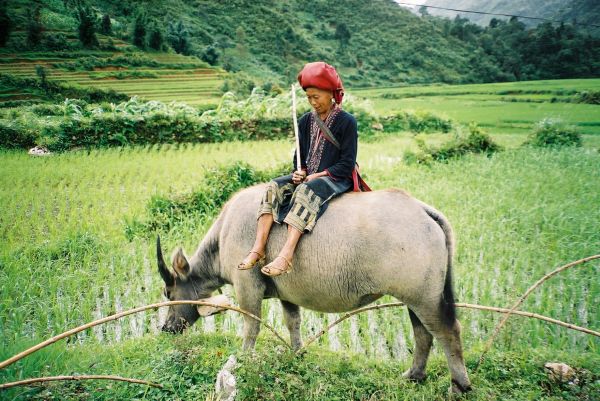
(300, 205)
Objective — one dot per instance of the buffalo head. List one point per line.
(180, 285)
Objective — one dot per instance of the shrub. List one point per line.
(554, 133)
(420, 121)
(477, 141)
(167, 213)
(14, 136)
(589, 97)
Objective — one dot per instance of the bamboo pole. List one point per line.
(458, 305)
(119, 315)
(522, 299)
(77, 378)
(296, 133)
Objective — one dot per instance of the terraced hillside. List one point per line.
(152, 76)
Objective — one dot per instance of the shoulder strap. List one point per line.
(326, 131)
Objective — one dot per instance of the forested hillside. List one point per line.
(583, 11)
(372, 43)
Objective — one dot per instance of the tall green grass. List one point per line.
(518, 214)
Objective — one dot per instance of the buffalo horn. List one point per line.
(162, 266)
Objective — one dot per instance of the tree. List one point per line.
(210, 55)
(106, 25)
(6, 24)
(139, 30)
(87, 29)
(157, 38)
(423, 11)
(40, 71)
(179, 38)
(342, 33)
(35, 29)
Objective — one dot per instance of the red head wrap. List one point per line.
(323, 76)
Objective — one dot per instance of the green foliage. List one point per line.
(554, 133)
(171, 213)
(156, 37)
(86, 28)
(137, 59)
(58, 91)
(106, 25)
(56, 42)
(6, 23)
(420, 121)
(127, 74)
(477, 141)
(178, 37)
(589, 97)
(41, 73)
(35, 28)
(139, 30)
(210, 55)
(146, 122)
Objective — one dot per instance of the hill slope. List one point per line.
(372, 43)
(585, 11)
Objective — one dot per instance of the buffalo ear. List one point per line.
(164, 271)
(180, 264)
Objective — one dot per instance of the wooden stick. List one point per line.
(458, 305)
(82, 377)
(522, 299)
(530, 314)
(119, 315)
(341, 319)
(296, 134)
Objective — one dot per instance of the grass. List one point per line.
(65, 259)
(187, 366)
(517, 215)
(492, 105)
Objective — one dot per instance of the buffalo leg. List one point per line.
(250, 301)
(448, 334)
(423, 342)
(291, 314)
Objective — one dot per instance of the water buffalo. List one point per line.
(365, 245)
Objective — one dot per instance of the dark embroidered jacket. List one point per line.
(338, 163)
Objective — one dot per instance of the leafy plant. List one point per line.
(477, 141)
(166, 213)
(554, 133)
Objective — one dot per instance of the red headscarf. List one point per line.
(323, 76)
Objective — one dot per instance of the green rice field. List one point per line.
(517, 215)
(65, 258)
(192, 85)
(511, 107)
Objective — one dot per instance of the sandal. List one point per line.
(250, 265)
(272, 270)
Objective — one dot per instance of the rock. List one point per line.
(39, 151)
(225, 385)
(560, 372)
(377, 126)
(221, 299)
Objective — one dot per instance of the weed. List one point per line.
(554, 133)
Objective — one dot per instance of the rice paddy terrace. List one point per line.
(149, 75)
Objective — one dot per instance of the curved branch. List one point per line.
(458, 305)
(119, 315)
(530, 314)
(82, 377)
(522, 299)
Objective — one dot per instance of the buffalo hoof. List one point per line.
(414, 375)
(458, 389)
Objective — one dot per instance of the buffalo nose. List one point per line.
(170, 329)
